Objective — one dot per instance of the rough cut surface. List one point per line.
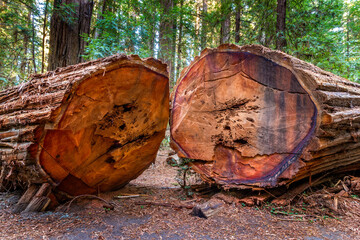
(251, 116)
(84, 128)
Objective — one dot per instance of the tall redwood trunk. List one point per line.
(280, 24)
(24, 60)
(153, 29)
(165, 36)
(179, 45)
(225, 24)
(238, 20)
(203, 38)
(66, 42)
(44, 36)
(33, 42)
(152, 40)
(103, 7)
(174, 27)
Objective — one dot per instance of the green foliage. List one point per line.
(67, 12)
(165, 142)
(183, 172)
(128, 28)
(355, 196)
(323, 32)
(315, 33)
(20, 40)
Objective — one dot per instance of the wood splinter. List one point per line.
(208, 209)
(35, 199)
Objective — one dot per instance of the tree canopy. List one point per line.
(323, 32)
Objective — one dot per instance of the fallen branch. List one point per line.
(166, 205)
(129, 196)
(109, 205)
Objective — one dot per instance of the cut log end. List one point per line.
(243, 118)
(94, 126)
(110, 123)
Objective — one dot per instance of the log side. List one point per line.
(84, 128)
(250, 116)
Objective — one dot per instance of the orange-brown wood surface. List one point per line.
(247, 116)
(102, 127)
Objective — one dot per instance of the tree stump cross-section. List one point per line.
(250, 116)
(84, 128)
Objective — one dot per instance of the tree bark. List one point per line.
(238, 20)
(225, 24)
(203, 38)
(152, 41)
(24, 60)
(249, 116)
(173, 51)
(103, 8)
(180, 44)
(33, 43)
(130, 28)
(43, 37)
(165, 32)
(152, 37)
(84, 128)
(70, 20)
(281, 24)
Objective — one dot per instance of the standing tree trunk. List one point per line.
(85, 128)
(179, 45)
(33, 42)
(173, 51)
(225, 23)
(103, 7)
(127, 10)
(70, 20)
(24, 60)
(44, 37)
(203, 38)
(152, 40)
(238, 20)
(348, 42)
(280, 24)
(249, 116)
(196, 40)
(165, 32)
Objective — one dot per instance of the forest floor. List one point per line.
(136, 218)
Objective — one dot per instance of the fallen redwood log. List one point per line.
(84, 128)
(249, 116)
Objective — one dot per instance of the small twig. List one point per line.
(291, 219)
(127, 196)
(270, 193)
(88, 196)
(165, 205)
(133, 194)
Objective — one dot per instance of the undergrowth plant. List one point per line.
(183, 173)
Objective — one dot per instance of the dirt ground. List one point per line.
(134, 218)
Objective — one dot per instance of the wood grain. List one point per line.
(250, 116)
(84, 128)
